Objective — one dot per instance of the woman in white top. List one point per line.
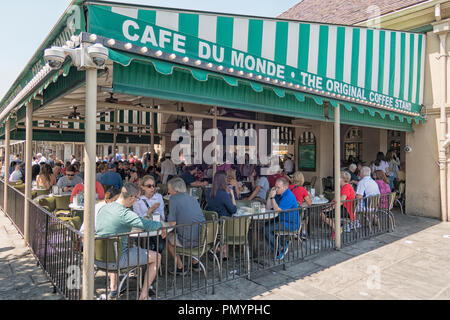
(380, 163)
(150, 201)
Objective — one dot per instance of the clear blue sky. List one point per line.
(24, 24)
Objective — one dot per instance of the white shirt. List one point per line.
(98, 206)
(289, 166)
(15, 176)
(168, 168)
(383, 166)
(367, 187)
(140, 208)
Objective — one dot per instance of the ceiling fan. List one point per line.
(74, 114)
(111, 98)
(182, 121)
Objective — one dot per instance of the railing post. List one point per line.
(337, 176)
(28, 159)
(6, 164)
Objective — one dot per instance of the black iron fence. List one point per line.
(178, 260)
(16, 205)
(200, 256)
(57, 247)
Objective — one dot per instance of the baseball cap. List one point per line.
(111, 166)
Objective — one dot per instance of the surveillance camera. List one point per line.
(98, 54)
(408, 149)
(55, 57)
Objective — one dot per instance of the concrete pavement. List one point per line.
(413, 262)
(20, 277)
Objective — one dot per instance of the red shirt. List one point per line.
(347, 190)
(98, 189)
(299, 192)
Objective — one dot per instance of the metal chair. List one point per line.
(234, 232)
(40, 192)
(108, 251)
(388, 210)
(207, 241)
(291, 235)
(62, 205)
(400, 196)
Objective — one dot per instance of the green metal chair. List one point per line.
(207, 242)
(62, 205)
(48, 203)
(108, 251)
(291, 235)
(234, 232)
(41, 192)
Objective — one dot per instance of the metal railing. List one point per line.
(209, 252)
(57, 247)
(235, 247)
(16, 203)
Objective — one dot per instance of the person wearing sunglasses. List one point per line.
(150, 202)
(70, 180)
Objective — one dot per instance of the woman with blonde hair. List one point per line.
(231, 180)
(150, 201)
(298, 190)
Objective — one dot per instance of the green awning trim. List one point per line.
(300, 96)
(256, 86)
(279, 92)
(167, 68)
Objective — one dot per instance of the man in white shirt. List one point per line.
(288, 165)
(168, 168)
(366, 187)
(40, 158)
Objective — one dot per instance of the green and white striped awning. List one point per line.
(379, 68)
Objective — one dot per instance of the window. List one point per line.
(353, 143)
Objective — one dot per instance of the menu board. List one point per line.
(307, 157)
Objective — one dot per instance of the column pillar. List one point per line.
(7, 164)
(337, 175)
(28, 173)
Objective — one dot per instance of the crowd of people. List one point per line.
(127, 196)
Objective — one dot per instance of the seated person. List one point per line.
(45, 179)
(260, 186)
(188, 177)
(150, 203)
(297, 189)
(111, 195)
(383, 185)
(183, 209)
(347, 197)
(116, 218)
(69, 181)
(111, 177)
(281, 198)
(232, 181)
(354, 177)
(221, 200)
(99, 191)
(16, 175)
(366, 187)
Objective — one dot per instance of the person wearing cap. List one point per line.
(168, 169)
(111, 177)
(288, 164)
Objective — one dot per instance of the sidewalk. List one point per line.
(20, 277)
(410, 263)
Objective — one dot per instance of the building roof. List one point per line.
(347, 12)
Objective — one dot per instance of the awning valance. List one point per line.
(137, 75)
(378, 68)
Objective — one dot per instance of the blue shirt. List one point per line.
(287, 201)
(112, 178)
(221, 203)
(188, 178)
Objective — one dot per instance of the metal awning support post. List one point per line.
(28, 173)
(89, 184)
(215, 142)
(152, 138)
(6, 164)
(337, 176)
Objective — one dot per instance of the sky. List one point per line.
(24, 24)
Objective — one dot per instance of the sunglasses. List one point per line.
(70, 175)
(149, 185)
